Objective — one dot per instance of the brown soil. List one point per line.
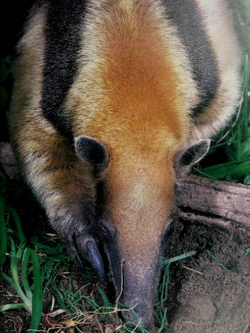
(211, 297)
(209, 293)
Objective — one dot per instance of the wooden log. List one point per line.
(199, 199)
(211, 201)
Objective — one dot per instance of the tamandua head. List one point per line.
(135, 199)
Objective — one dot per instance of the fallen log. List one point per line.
(199, 199)
(214, 202)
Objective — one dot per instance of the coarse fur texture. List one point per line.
(99, 125)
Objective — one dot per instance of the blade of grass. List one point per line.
(247, 252)
(104, 297)
(182, 256)
(68, 297)
(166, 277)
(217, 260)
(16, 219)
(7, 307)
(25, 263)
(3, 233)
(15, 258)
(58, 296)
(163, 320)
(37, 299)
(91, 302)
(163, 289)
(235, 169)
(131, 324)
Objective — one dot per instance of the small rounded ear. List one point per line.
(92, 152)
(194, 153)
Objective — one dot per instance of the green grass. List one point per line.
(44, 268)
(35, 270)
(247, 252)
(23, 264)
(217, 260)
(161, 315)
(233, 143)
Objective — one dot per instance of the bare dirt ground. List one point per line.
(211, 292)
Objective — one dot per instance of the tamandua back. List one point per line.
(113, 99)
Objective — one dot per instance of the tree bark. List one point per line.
(199, 199)
(214, 202)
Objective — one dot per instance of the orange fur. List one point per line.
(141, 121)
(134, 91)
(139, 84)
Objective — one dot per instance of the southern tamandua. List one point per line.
(112, 98)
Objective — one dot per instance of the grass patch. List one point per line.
(47, 280)
(247, 252)
(35, 270)
(233, 143)
(163, 287)
(24, 264)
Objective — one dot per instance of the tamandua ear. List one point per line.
(194, 153)
(92, 152)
